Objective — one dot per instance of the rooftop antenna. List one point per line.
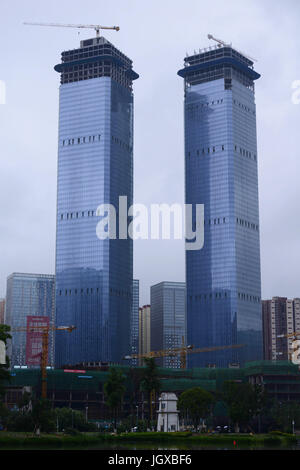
(222, 43)
(96, 27)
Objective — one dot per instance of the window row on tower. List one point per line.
(81, 140)
(209, 296)
(249, 297)
(245, 153)
(87, 290)
(77, 215)
(215, 221)
(91, 291)
(246, 223)
(244, 107)
(208, 150)
(119, 293)
(223, 295)
(122, 144)
(204, 104)
(215, 148)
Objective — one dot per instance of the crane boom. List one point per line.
(183, 351)
(289, 335)
(96, 27)
(39, 328)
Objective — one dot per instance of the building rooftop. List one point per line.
(30, 276)
(215, 52)
(94, 58)
(218, 62)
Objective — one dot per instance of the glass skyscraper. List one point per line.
(28, 295)
(223, 278)
(168, 320)
(95, 166)
(134, 322)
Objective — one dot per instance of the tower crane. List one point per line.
(182, 351)
(289, 335)
(296, 347)
(219, 41)
(96, 27)
(224, 44)
(44, 330)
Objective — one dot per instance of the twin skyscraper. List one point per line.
(94, 277)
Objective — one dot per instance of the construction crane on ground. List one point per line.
(182, 352)
(44, 331)
(289, 335)
(96, 27)
(296, 347)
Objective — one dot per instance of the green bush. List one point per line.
(155, 436)
(276, 433)
(273, 441)
(19, 422)
(72, 432)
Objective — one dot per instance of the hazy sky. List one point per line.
(156, 35)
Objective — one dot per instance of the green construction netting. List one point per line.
(172, 379)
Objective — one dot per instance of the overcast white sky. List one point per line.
(156, 35)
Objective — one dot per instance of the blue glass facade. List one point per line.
(28, 295)
(95, 166)
(168, 319)
(223, 279)
(134, 322)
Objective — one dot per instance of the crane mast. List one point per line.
(44, 330)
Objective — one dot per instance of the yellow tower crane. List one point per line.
(296, 347)
(182, 351)
(44, 330)
(289, 335)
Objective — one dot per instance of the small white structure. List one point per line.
(168, 420)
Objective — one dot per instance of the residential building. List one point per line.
(267, 330)
(281, 317)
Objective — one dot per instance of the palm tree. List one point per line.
(114, 390)
(150, 382)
